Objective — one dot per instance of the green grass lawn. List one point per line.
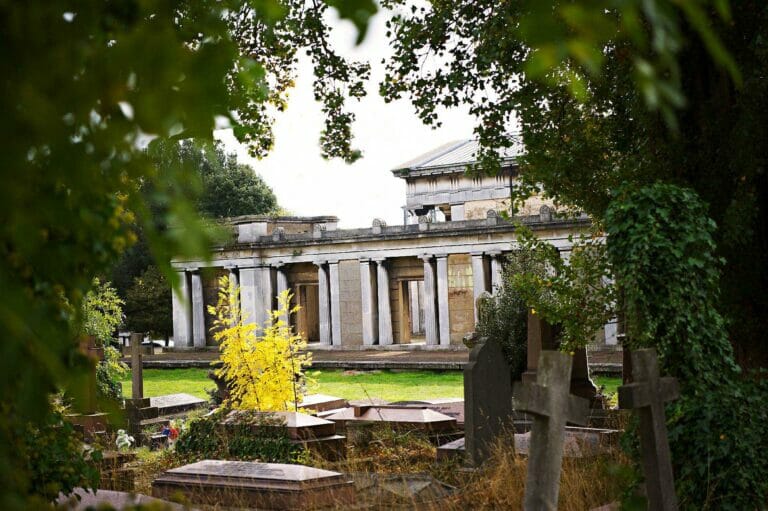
(387, 385)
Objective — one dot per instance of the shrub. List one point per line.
(109, 372)
(265, 371)
(661, 244)
(503, 318)
(252, 437)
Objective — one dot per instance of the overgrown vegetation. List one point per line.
(661, 243)
(253, 437)
(503, 318)
(262, 365)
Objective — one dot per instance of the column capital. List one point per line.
(278, 264)
(441, 256)
(365, 260)
(476, 254)
(378, 260)
(426, 257)
(333, 261)
(320, 263)
(494, 253)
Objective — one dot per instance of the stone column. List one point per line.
(444, 321)
(478, 279)
(281, 283)
(430, 309)
(182, 313)
(324, 315)
(385, 312)
(413, 292)
(496, 274)
(266, 294)
(367, 304)
(198, 311)
(335, 289)
(249, 303)
(282, 279)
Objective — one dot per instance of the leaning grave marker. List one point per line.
(647, 394)
(487, 399)
(253, 484)
(551, 404)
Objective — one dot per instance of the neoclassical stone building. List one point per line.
(410, 284)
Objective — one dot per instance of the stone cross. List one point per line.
(137, 390)
(550, 403)
(648, 394)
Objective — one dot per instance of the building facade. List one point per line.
(412, 284)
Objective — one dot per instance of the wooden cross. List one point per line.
(550, 403)
(647, 394)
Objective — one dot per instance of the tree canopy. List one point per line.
(611, 93)
(83, 88)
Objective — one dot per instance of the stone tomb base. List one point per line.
(256, 485)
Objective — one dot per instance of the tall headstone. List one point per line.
(487, 399)
(541, 336)
(552, 406)
(647, 394)
(137, 378)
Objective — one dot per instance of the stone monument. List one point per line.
(487, 399)
(552, 405)
(244, 484)
(647, 394)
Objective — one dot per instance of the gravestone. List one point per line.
(137, 369)
(244, 484)
(541, 336)
(87, 417)
(313, 433)
(579, 442)
(398, 417)
(647, 394)
(170, 404)
(139, 410)
(322, 403)
(487, 399)
(552, 405)
(452, 407)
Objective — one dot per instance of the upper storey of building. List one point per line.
(437, 185)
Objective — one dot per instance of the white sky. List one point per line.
(388, 134)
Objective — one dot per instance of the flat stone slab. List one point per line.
(299, 426)
(176, 403)
(114, 499)
(579, 442)
(451, 450)
(422, 419)
(322, 402)
(400, 491)
(253, 484)
(451, 406)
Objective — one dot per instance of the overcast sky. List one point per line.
(388, 134)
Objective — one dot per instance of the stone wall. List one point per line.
(460, 296)
(351, 306)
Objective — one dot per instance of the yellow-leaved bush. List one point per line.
(263, 365)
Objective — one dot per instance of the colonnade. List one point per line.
(260, 284)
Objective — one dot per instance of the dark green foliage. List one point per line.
(587, 82)
(503, 318)
(661, 244)
(54, 458)
(148, 304)
(84, 86)
(254, 437)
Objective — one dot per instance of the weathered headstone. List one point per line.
(541, 336)
(551, 404)
(87, 419)
(647, 394)
(487, 399)
(245, 484)
(137, 379)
